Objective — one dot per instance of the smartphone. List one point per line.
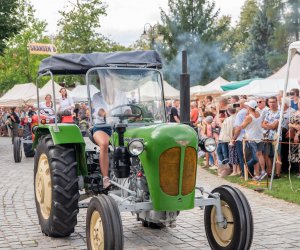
(236, 105)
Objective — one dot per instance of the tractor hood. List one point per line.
(170, 163)
(164, 135)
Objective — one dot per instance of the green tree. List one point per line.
(255, 61)
(16, 64)
(10, 22)
(79, 29)
(292, 18)
(241, 32)
(193, 25)
(141, 44)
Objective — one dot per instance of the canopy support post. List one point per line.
(289, 59)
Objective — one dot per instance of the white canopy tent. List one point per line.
(213, 87)
(80, 94)
(272, 84)
(170, 92)
(47, 89)
(150, 89)
(196, 90)
(18, 95)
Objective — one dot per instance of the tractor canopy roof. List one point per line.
(75, 63)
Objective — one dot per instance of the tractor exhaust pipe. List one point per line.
(184, 92)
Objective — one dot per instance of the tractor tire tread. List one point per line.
(243, 232)
(65, 194)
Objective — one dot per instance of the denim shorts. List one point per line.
(107, 130)
(257, 146)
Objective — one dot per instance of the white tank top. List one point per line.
(254, 129)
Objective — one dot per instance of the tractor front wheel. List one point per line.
(237, 233)
(56, 187)
(17, 149)
(104, 228)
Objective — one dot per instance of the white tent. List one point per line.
(170, 92)
(196, 90)
(150, 90)
(18, 95)
(47, 89)
(213, 87)
(272, 84)
(79, 93)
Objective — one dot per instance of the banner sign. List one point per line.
(42, 49)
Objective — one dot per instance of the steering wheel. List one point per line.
(125, 116)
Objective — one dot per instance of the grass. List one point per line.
(281, 188)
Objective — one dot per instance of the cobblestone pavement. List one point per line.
(276, 223)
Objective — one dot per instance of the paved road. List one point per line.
(277, 223)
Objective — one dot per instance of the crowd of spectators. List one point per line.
(245, 129)
(12, 118)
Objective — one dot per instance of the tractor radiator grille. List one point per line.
(189, 171)
(169, 171)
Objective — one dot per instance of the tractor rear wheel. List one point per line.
(29, 152)
(104, 228)
(56, 187)
(237, 234)
(17, 149)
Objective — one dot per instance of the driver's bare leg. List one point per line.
(102, 139)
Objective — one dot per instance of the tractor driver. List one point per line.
(104, 105)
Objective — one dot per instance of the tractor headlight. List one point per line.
(208, 144)
(135, 147)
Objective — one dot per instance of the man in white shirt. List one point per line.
(261, 107)
(254, 135)
(239, 133)
(270, 125)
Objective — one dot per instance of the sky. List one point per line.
(126, 19)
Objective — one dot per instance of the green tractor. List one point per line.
(153, 164)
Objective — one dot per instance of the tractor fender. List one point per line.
(66, 134)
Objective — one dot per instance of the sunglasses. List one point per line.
(260, 102)
(292, 93)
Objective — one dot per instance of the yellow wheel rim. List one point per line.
(96, 232)
(223, 236)
(43, 186)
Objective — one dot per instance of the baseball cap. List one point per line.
(252, 104)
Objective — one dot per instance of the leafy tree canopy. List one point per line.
(292, 17)
(254, 62)
(79, 28)
(16, 64)
(10, 22)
